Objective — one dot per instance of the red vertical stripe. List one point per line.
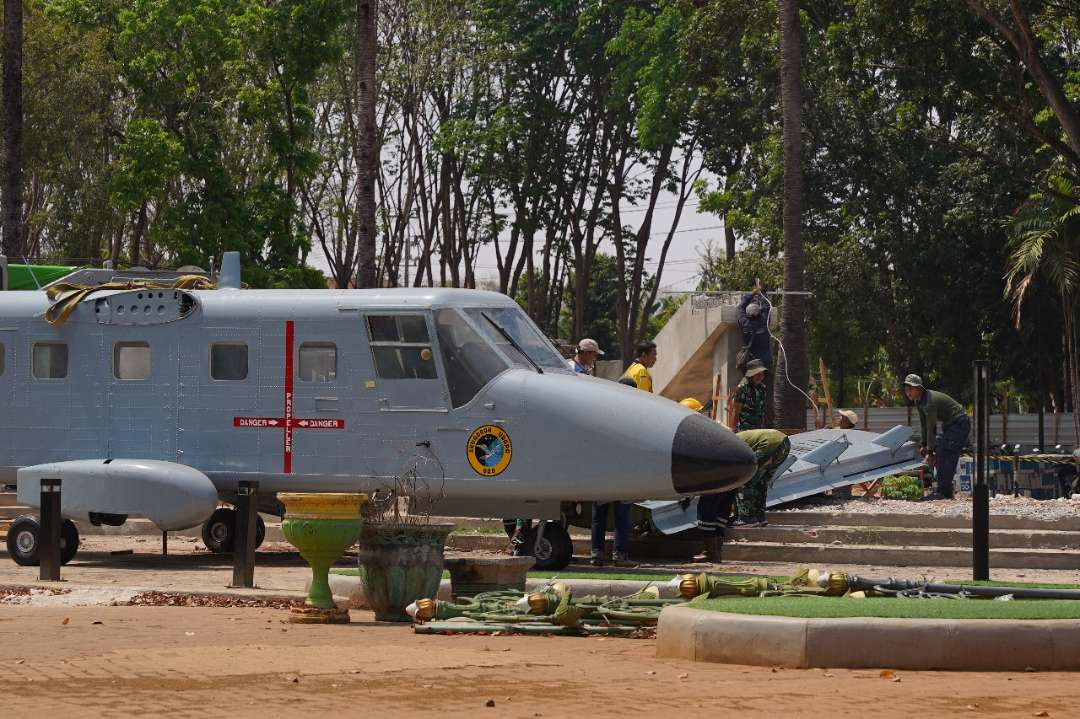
(288, 396)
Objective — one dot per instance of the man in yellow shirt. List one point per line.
(639, 370)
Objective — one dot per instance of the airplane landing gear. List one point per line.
(24, 540)
(550, 544)
(219, 532)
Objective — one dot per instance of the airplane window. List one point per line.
(318, 362)
(401, 347)
(50, 360)
(524, 332)
(228, 361)
(383, 328)
(131, 360)
(470, 361)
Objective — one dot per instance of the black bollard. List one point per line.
(980, 492)
(244, 547)
(49, 536)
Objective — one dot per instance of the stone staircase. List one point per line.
(819, 538)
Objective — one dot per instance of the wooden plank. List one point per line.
(828, 395)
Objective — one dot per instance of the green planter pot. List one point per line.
(321, 526)
(400, 563)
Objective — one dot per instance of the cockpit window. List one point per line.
(401, 347)
(470, 361)
(525, 334)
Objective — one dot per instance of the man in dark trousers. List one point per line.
(752, 314)
(942, 451)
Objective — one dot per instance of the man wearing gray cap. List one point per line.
(584, 361)
(942, 451)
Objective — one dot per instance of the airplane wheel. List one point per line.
(555, 550)
(22, 540)
(219, 532)
(69, 541)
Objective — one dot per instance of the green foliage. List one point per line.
(904, 486)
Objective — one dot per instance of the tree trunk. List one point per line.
(729, 240)
(792, 364)
(367, 151)
(11, 206)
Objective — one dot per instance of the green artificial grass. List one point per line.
(839, 607)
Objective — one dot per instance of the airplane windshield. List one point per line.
(528, 338)
(470, 361)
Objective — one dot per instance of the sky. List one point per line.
(681, 269)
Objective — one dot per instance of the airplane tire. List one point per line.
(556, 548)
(219, 532)
(24, 540)
(69, 541)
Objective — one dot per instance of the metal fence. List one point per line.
(1022, 429)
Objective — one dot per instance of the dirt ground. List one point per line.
(94, 660)
(176, 661)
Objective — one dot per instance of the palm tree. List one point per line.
(792, 368)
(366, 150)
(1045, 243)
(11, 205)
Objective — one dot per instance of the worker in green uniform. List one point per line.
(747, 407)
(942, 451)
(771, 447)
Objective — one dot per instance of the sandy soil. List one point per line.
(153, 661)
(66, 659)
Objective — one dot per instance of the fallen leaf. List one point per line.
(895, 679)
(1043, 713)
(19, 661)
(294, 680)
(506, 649)
(489, 703)
(651, 672)
(1030, 669)
(972, 706)
(683, 676)
(775, 670)
(66, 620)
(887, 673)
(189, 634)
(829, 675)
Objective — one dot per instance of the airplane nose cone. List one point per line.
(707, 458)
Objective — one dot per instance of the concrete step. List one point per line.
(816, 554)
(917, 521)
(903, 537)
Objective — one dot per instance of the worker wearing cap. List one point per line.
(771, 447)
(848, 419)
(584, 360)
(747, 407)
(752, 314)
(644, 358)
(941, 451)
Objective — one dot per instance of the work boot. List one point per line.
(713, 547)
(517, 543)
(622, 559)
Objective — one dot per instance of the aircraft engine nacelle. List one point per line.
(170, 495)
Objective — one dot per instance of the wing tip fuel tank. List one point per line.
(707, 458)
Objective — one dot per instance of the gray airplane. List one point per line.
(156, 403)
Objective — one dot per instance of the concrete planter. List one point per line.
(469, 577)
(400, 563)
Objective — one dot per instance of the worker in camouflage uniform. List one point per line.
(747, 407)
(941, 451)
(771, 447)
